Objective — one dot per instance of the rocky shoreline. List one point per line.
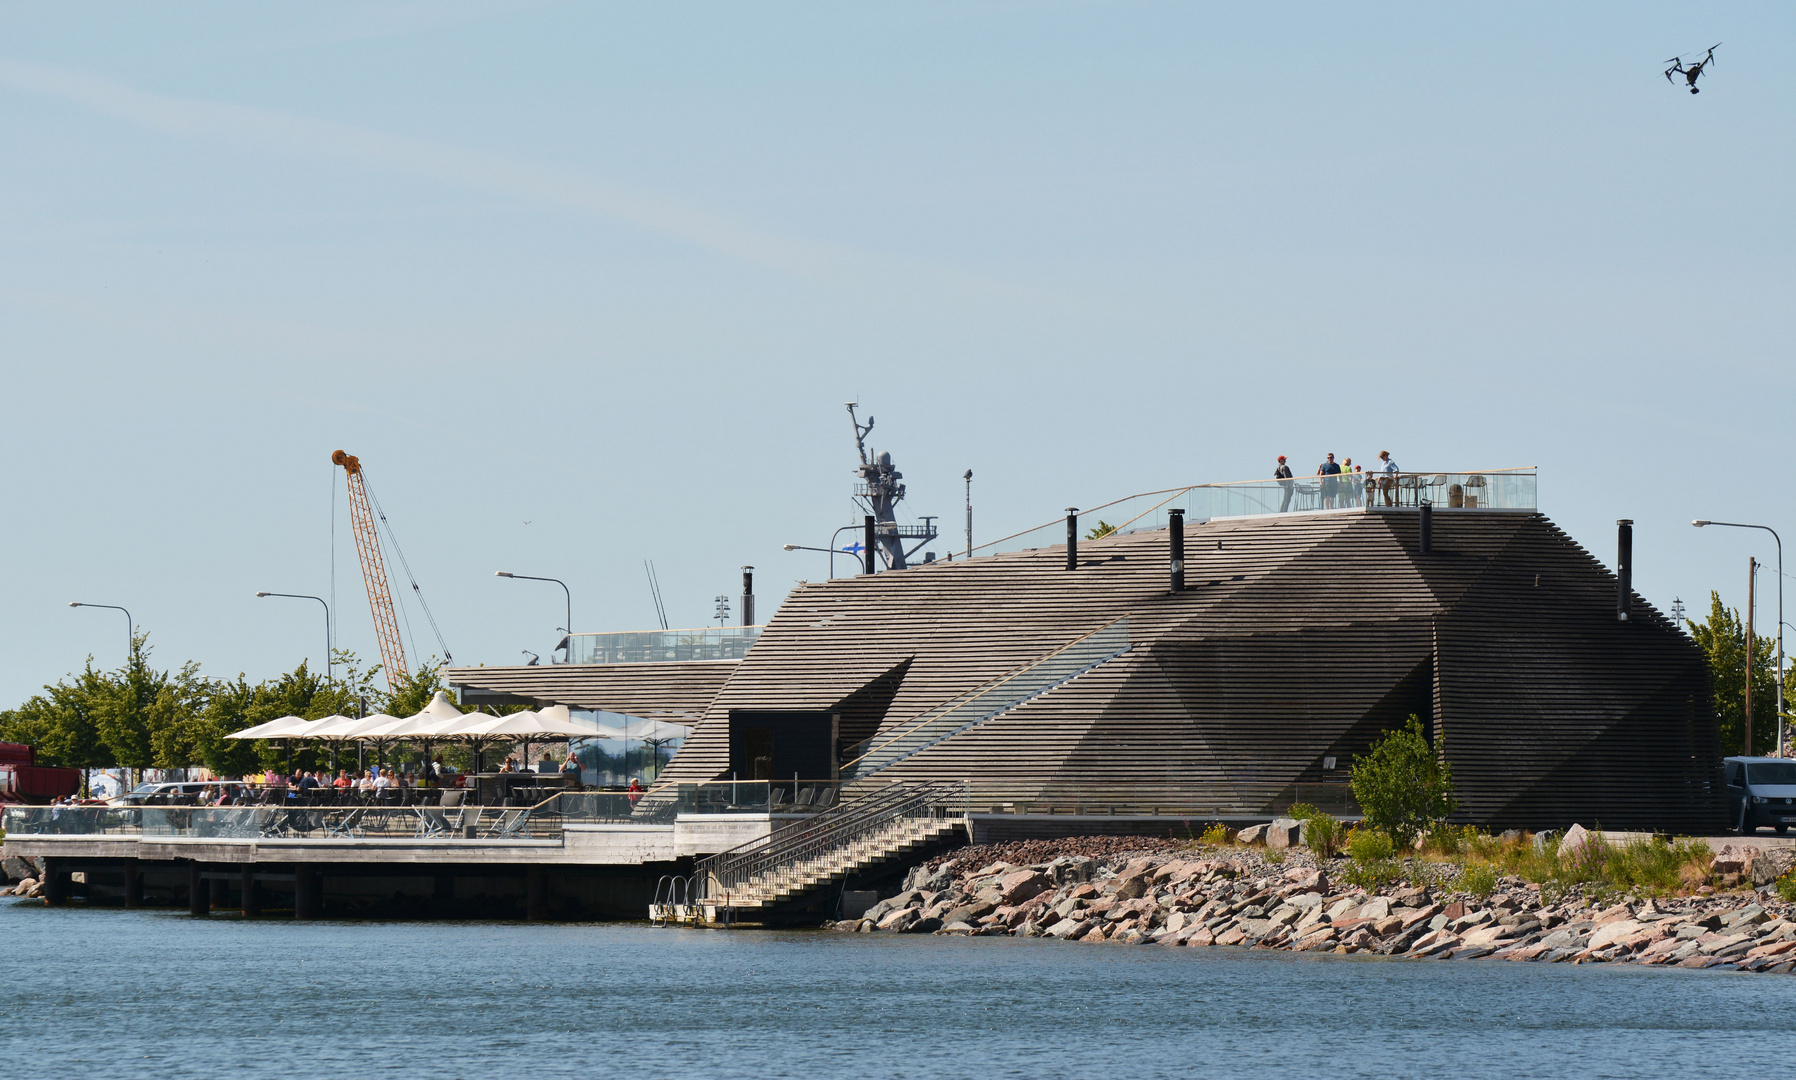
(1241, 896)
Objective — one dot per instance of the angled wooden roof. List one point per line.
(676, 691)
(1299, 637)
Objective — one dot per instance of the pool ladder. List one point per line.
(673, 904)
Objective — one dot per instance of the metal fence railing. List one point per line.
(860, 830)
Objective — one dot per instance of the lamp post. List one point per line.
(130, 650)
(570, 605)
(327, 624)
(830, 551)
(1778, 683)
(130, 627)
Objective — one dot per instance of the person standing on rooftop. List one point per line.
(1328, 470)
(1283, 475)
(1388, 482)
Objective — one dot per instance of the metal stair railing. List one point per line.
(808, 852)
(1008, 691)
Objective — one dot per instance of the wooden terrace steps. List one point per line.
(790, 882)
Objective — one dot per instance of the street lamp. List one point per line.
(327, 625)
(830, 551)
(570, 605)
(130, 627)
(1699, 523)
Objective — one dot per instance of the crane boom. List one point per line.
(374, 571)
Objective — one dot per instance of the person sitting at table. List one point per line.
(383, 781)
(342, 782)
(511, 765)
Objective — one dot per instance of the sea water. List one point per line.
(110, 992)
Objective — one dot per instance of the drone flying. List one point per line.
(1690, 74)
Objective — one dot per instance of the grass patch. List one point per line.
(1653, 866)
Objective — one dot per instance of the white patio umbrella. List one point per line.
(287, 727)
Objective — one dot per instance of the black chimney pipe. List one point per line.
(1175, 528)
(868, 554)
(1427, 527)
(1072, 538)
(748, 596)
(1624, 569)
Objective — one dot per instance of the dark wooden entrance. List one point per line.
(766, 745)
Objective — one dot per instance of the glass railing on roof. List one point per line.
(1489, 489)
(656, 646)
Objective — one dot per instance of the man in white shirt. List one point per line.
(1388, 482)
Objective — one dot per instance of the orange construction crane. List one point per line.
(374, 572)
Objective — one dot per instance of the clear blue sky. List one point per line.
(585, 284)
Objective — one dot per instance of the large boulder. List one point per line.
(968, 912)
(1131, 887)
(1069, 869)
(1284, 833)
(18, 869)
(1023, 885)
(1253, 834)
(1575, 838)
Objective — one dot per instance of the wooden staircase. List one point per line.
(793, 864)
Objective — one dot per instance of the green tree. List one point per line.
(60, 722)
(1402, 785)
(1722, 639)
(415, 690)
(1100, 530)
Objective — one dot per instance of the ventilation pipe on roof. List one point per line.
(1624, 569)
(1427, 527)
(867, 543)
(748, 596)
(1072, 538)
(1175, 528)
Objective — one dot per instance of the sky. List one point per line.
(585, 285)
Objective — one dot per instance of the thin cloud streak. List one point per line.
(198, 119)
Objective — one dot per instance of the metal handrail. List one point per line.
(911, 728)
(861, 828)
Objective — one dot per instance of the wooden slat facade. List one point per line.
(678, 692)
(1299, 637)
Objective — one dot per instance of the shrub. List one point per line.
(1217, 835)
(1370, 846)
(1786, 887)
(1323, 834)
(1402, 785)
(1374, 875)
(1275, 855)
(1301, 811)
(1479, 879)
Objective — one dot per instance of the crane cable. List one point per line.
(410, 579)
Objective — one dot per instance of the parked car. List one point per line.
(180, 793)
(1761, 791)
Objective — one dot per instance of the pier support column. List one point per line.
(246, 886)
(221, 893)
(308, 892)
(536, 893)
(133, 885)
(56, 883)
(199, 892)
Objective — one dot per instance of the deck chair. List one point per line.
(509, 824)
(345, 825)
(826, 798)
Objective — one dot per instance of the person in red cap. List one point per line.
(1283, 476)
